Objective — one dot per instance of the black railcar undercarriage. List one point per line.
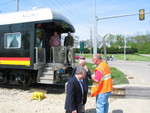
(17, 77)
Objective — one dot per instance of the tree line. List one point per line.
(135, 44)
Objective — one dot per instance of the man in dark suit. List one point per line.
(82, 63)
(75, 97)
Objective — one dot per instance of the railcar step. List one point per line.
(47, 78)
(46, 82)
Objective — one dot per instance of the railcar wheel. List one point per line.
(22, 78)
(27, 80)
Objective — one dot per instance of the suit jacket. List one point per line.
(85, 81)
(74, 97)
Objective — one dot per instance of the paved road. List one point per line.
(138, 72)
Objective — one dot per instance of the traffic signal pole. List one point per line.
(95, 20)
(117, 16)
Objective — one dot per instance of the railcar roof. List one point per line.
(33, 15)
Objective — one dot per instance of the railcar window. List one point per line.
(12, 40)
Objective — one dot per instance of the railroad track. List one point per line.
(59, 89)
(46, 88)
(116, 93)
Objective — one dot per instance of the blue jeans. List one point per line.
(102, 104)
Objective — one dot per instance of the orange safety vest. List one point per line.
(105, 84)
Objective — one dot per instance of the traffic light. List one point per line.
(141, 14)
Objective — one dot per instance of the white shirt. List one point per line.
(82, 89)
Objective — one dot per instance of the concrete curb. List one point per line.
(137, 91)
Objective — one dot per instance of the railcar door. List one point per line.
(39, 47)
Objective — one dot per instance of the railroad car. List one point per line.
(25, 54)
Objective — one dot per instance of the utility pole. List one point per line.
(125, 46)
(17, 5)
(90, 39)
(94, 28)
(104, 46)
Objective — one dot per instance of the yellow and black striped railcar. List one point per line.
(25, 53)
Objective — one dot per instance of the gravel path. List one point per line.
(19, 101)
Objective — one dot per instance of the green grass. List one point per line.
(117, 75)
(91, 66)
(130, 57)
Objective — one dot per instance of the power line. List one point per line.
(69, 7)
(75, 9)
(63, 9)
(28, 3)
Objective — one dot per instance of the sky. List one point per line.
(80, 14)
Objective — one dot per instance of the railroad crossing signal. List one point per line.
(141, 14)
(104, 41)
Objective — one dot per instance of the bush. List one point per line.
(86, 50)
(111, 50)
(116, 50)
(144, 49)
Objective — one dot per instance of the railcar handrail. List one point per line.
(40, 55)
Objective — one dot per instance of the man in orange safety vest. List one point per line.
(102, 85)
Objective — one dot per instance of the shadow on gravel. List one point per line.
(117, 111)
(93, 110)
(55, 91)
(49, 89)
(46, 88)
